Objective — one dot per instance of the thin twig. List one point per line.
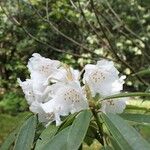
(92, 27)
(46, 9)
(99, 125)
(61, 33)
(73, 4)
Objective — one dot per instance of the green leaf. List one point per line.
(114, 143)
(58, 142)
(12, 136)
(131, 94)
(46, 136)
(78, 130)
(125, 135)
(106, 148)
(117, 26)
(139, 118)
(26, 134)
(10, 139)
(148, 89)
(144, 72)
(67, 122)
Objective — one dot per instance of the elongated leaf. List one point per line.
(78, 130)
(58, 142)
(12, 136)
(126, 136)
(118, 25)
(67, 122)
(26, 134)
(46, 136)
(131, 94)
(148, 89)
(114, 144)
(10, 139)
(144, 72)
(139, 118)
(106, 148)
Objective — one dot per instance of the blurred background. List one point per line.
(76, 32)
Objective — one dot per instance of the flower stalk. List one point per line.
(99, 125)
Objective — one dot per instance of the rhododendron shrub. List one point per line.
(74, 107)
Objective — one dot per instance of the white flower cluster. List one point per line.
(54, 89)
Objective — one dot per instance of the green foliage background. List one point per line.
(76, 32)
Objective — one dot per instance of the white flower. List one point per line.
(69, 99)
(103, 78)
(41, 68)
(34, 91)
(45, 118)
(65, 74)
(35, 99)
(27, 87)
(113, 105)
